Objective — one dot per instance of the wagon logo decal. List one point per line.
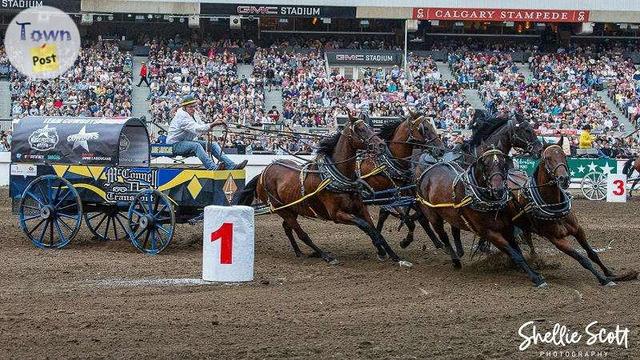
(124, 143)
(229, 188)
(82, 138)
(44, 139)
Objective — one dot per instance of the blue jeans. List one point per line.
(191, 148)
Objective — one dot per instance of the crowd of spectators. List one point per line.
(209, 73)
(98, 85)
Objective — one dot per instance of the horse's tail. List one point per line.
(248, 193)
(628, 167)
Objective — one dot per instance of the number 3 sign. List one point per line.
(228, 243)
(617, 188)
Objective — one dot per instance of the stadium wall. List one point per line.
(140, 7)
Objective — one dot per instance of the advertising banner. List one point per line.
(462, 14)
(279, 10)
(364, 57)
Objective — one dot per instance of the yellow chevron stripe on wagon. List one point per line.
(187, 175)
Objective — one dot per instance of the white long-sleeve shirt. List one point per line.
(185, 127)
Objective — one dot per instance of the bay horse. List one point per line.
(473, 200)
(542, 205)
(402, 138)
(331, 179)
(500, 132)
(630, 166)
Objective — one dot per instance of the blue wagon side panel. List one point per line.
(187, 188)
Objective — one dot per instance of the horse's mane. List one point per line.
(484, 126)
(387, 130)
(326, 145)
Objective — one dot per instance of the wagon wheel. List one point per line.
(151, 221)
(50, 212)
(594, 186)
(108, 224)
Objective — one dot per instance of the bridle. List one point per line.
(555, 179)
(513, 133)
(488, 177)
(354, 134)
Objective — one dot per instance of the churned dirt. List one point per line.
(96, 300)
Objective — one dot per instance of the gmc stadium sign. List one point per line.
(278, 10)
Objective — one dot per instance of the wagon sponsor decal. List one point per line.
(44, 139)
(124, 143)
(463, 14)
(122, 184)
(82, 138)
(24, 169)
(560, 340)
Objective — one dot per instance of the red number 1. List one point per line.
(225, 234)
(619, 190)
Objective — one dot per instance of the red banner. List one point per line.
(462, 14)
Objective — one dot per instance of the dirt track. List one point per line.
(105, 300)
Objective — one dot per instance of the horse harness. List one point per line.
(536, 207)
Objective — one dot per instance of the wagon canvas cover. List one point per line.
(69, 140)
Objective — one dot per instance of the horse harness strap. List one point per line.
(536, 206)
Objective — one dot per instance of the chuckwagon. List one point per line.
(68, 170)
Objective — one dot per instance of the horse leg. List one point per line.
(289, 232)
(563, 245)
(506, 246)
(411, 228)
(382, 217)
(365, 224)
(427, 229)
(593, 256)
(438, 226)
(457, 241)
(293, 223)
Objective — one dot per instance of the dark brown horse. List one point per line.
(473, 200)
(630, 166)
(402, 138)
(502, 133)
(332, 183)
(541, 205)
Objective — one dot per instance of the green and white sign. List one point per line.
(578, 167)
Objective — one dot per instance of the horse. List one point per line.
(402, 137)
(326, 188)
(499, 131)
(630, 166)
(542, 205)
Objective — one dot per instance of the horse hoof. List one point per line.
(333, 261)
(457, 264)
(405, 263)
(404, 244)
(382, 257)
(544, 285)
(610, 284)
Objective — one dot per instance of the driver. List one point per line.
(183, 135)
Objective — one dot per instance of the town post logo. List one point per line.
(42, 42)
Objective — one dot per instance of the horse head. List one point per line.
(554, 161)
(361, 135)
(523, 136)
(490, 171)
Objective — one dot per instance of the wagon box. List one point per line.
(65, 170)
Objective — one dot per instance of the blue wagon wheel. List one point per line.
(50, 212)
(107, 224)
(151, 221)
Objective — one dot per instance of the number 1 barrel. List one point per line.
(228, 243)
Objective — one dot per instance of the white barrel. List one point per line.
(228, 243)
